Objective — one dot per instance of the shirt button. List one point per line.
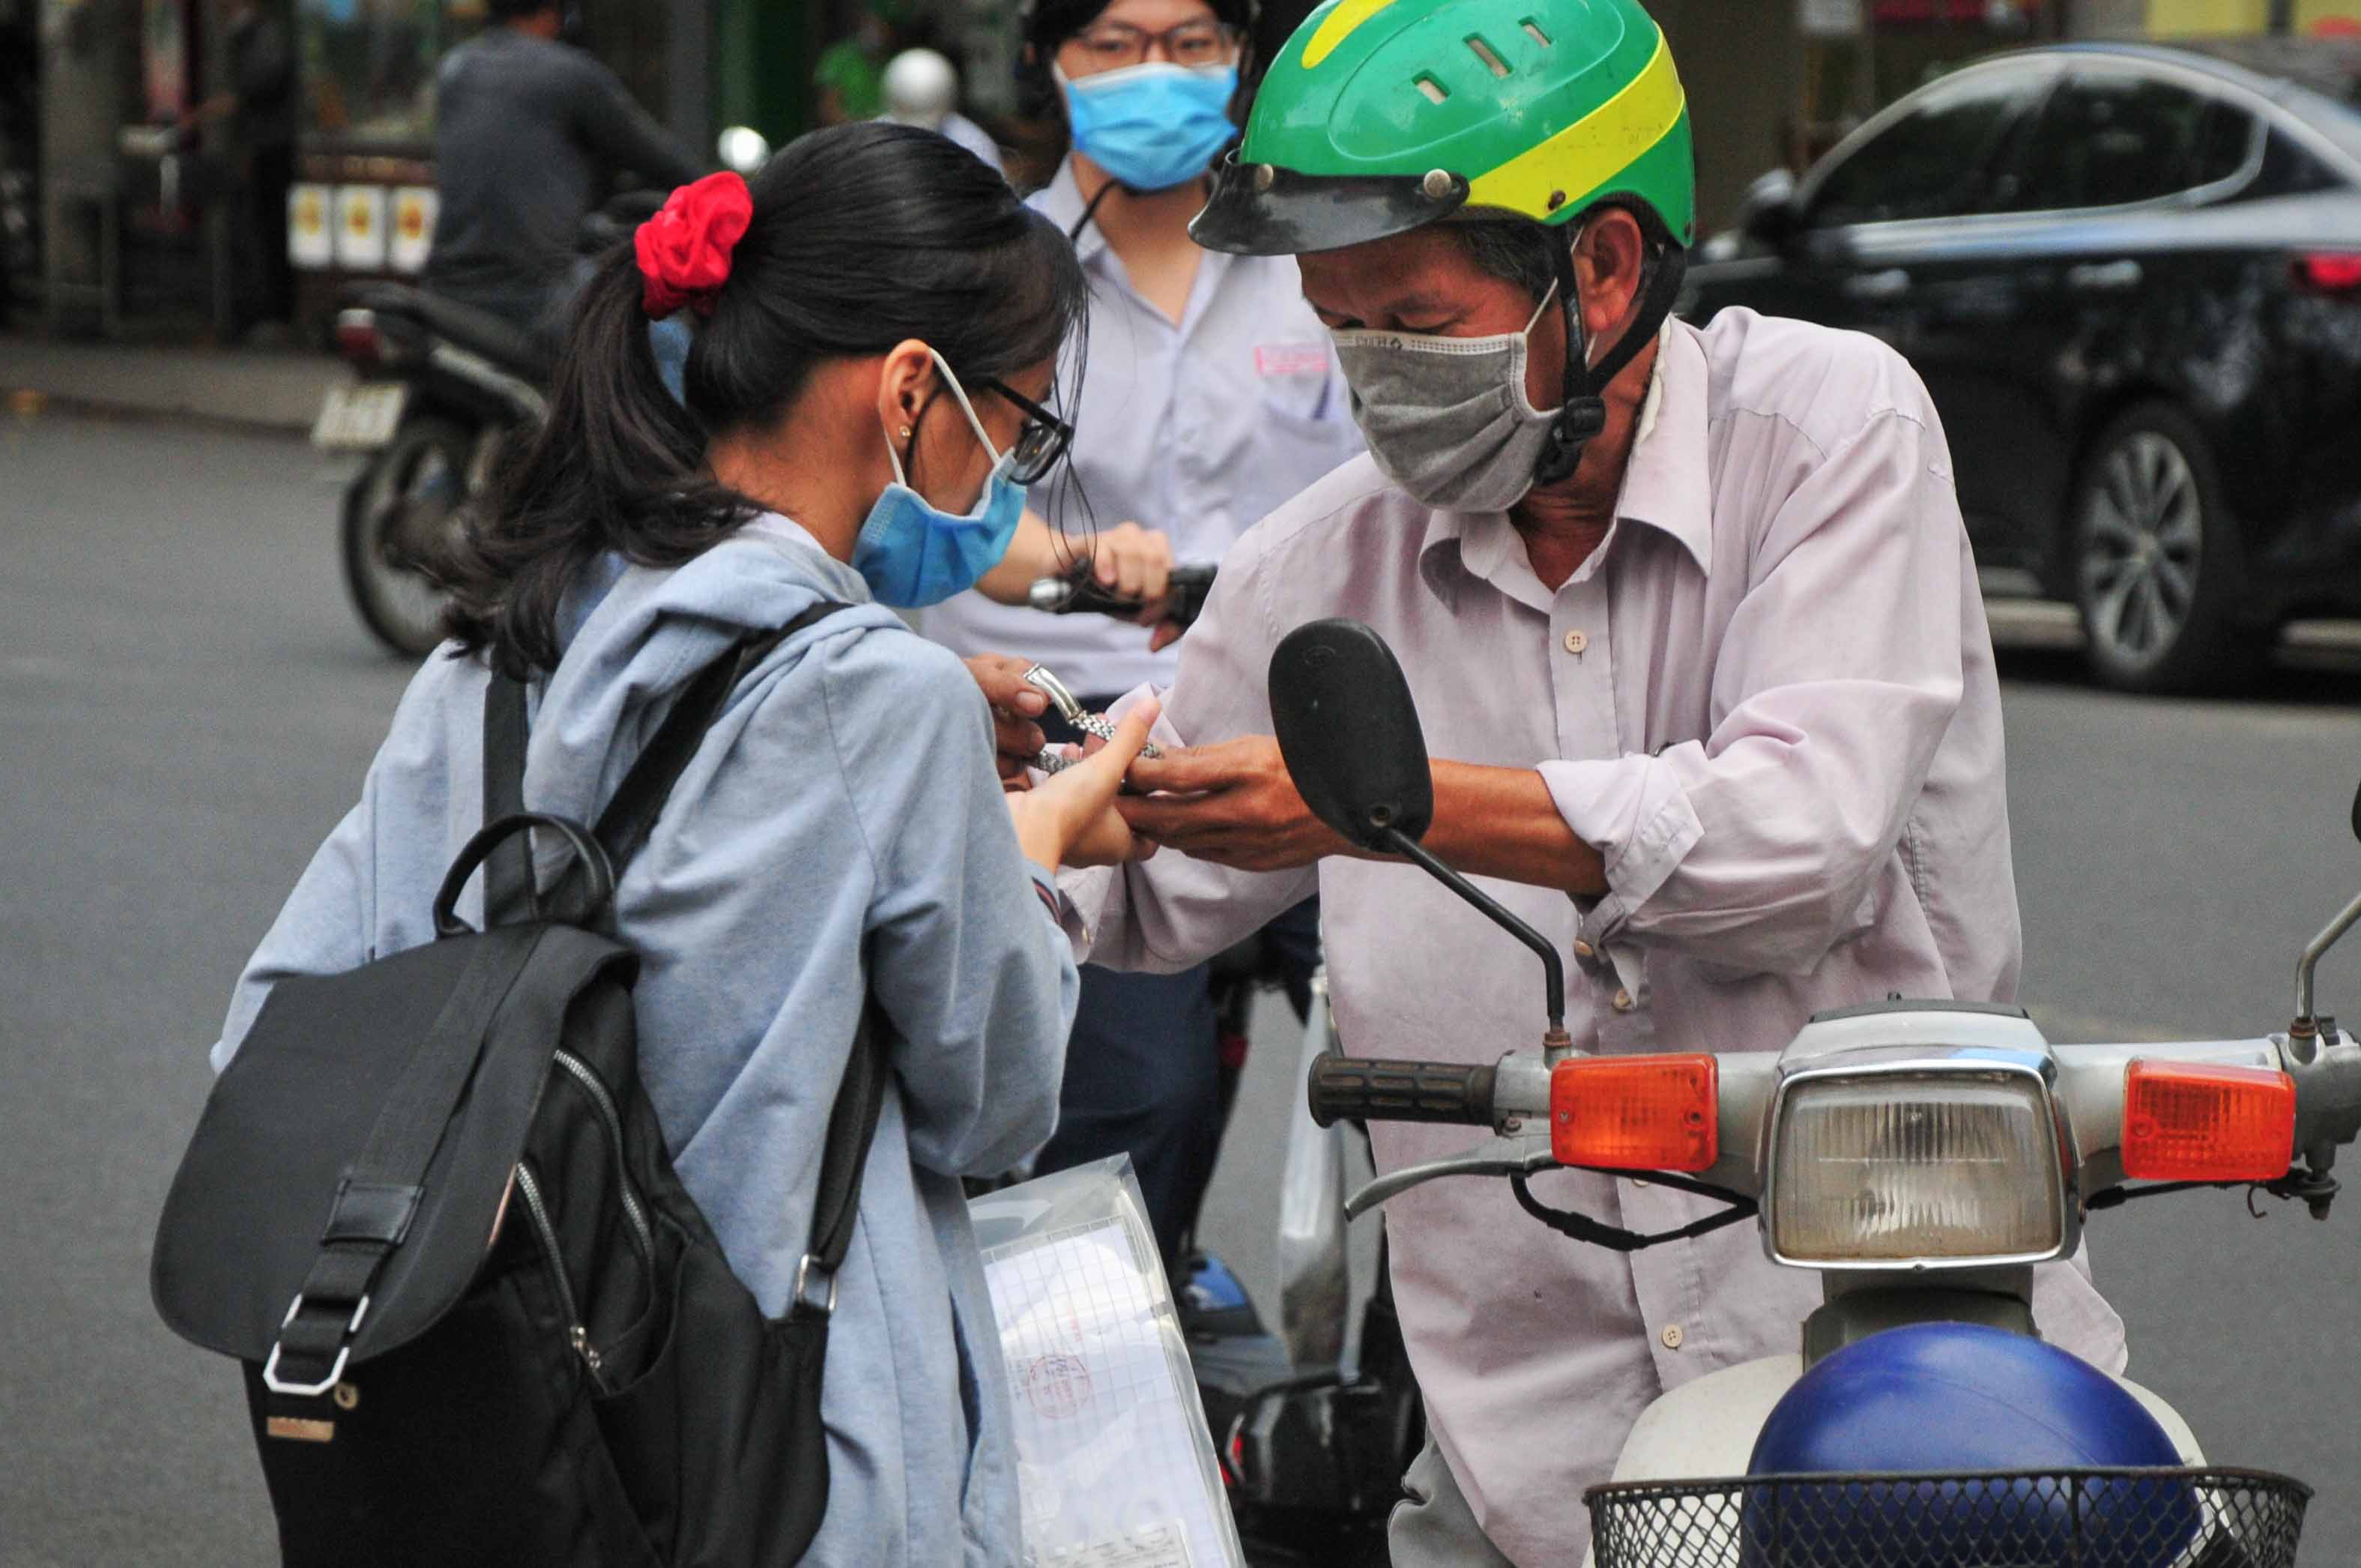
(1672, 1336)
(1585, 950)
(1623, 1002)
(1576, 642)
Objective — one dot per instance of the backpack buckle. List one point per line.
(277, 1385)
(809, 1273)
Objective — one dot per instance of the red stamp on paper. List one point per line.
(1272, 359)
(1058, 1386)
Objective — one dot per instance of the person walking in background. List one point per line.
(849, 76)
(922, 89)
(1210, 396)
(259, 103)
(529, 133)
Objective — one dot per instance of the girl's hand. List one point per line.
(1070, 819)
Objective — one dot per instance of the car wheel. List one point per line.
(2156, 560)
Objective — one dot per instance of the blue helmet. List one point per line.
(1960, 1397)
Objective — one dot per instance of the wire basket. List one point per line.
(2047, 1519)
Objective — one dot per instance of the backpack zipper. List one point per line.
(529, 1188)
(581, 1072)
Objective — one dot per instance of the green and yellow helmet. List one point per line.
(1380, 116)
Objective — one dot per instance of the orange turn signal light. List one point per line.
(2186, 1122)
(1636, 1113)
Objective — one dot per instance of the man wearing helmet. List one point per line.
(1698, 647)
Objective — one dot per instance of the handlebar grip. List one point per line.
(1368, 1089)
(1184, 595)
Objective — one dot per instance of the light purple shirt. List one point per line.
(1198, 429)
(1768, 699)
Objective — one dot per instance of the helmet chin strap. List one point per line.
(1584, 411)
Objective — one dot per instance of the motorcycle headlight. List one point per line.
(1901, 1168)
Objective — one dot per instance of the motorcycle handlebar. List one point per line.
(1362, 1088)
(1184, 595)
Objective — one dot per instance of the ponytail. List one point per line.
(860, 236)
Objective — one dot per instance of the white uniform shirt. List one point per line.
(1198, 430)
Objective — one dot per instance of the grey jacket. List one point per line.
(844, 800)
(528, 135)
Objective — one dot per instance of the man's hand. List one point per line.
(1016, 740)
(1232, 803)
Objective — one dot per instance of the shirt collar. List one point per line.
(1665, 482)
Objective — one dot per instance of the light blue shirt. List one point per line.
(844, 802)
(1199, 430)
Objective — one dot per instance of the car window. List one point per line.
(1931, 162)
(2222, 143)
(2291, 169)
(2108, 139)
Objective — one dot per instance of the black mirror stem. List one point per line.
(1553, 966)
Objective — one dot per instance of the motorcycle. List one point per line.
(1922, 1157)
(438, 388)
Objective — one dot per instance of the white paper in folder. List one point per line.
(1113, 1460)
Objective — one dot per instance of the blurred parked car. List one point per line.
(2131, 279)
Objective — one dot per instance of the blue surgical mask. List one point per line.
(913, 554)
(1152, 126)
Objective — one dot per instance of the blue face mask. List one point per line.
(1152, 126)
(913, 554)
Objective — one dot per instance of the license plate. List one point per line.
(360, 419)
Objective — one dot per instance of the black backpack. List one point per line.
(429, 1207)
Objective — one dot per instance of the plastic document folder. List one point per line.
(1113, 1460)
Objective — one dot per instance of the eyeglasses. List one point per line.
(1117, 44)
(1041, 442)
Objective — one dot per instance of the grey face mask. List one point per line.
(1447, 418)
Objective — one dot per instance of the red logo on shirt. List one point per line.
(1291, 360)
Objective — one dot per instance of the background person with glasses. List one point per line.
(1211, 396)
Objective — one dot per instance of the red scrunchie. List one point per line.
(684, 250)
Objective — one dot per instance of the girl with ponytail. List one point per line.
(878, 328)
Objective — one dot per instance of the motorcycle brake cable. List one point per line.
(1582, 1228)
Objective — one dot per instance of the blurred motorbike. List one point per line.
(1922, 1157)
(438, 388)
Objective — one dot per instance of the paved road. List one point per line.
(186, 705)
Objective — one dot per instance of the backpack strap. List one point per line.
(381, 1189)
(851, 1125)
(508, 872)
(630, 817)
(623, 827)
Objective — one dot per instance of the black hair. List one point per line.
(515, 10)
(863, 235)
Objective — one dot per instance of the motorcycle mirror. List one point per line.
(743, 149)
(1349, 731)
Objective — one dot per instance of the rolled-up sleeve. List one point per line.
(1838, 674)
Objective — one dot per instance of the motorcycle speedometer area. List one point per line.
(1914, 1166)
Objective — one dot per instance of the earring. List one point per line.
(906, 433)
